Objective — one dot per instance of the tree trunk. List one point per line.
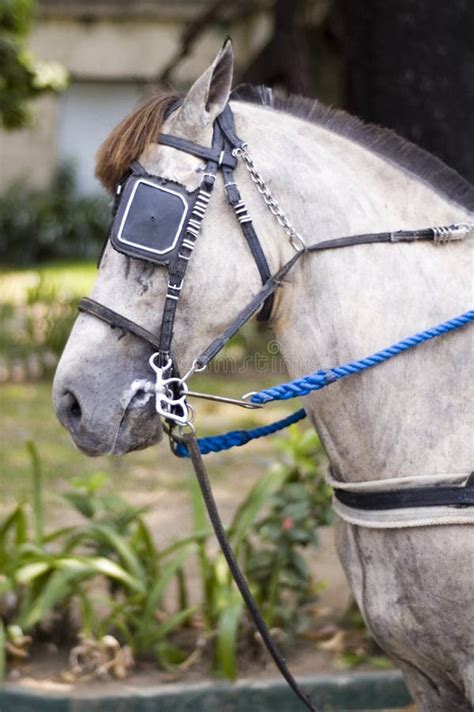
(410, 66)
(285, 59)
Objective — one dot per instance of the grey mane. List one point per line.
(384, 142)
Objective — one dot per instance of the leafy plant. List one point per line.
(22, 76)
(222, 606)
(116, 531)
(283, 583)
(3, 648)
(48, 575)
(106, 576)
(34, 332)
(278, 517)
(39, 225)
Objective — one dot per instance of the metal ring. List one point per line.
(297, 243)
(152, 364)
(194, 369)
(182, 429)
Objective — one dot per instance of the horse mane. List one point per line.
(130, 137)
(381, 141)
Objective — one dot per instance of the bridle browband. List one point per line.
(170, 390)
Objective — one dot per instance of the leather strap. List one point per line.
(179, 267)
(411, 497)
(271, 285)
(246, 224)
(371, 238)
(247, 312)
(227, 126)
(117, 321)
(203, 479)
(208, 154)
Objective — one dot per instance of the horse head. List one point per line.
(97, 390)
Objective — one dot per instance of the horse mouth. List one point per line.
(137, 426)
(140, 426)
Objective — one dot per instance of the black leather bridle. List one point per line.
(221, 157)
(171, 390)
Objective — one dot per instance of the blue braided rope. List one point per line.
(314, 382)
(322, 378)
(235, 438)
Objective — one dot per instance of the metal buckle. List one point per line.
(166, 405)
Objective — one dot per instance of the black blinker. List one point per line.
(151, 218)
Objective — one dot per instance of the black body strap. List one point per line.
(434, 496)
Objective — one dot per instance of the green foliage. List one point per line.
(278, 518)
(105, 574)
(47, 575)
(222, 605)
(39, 225)
(3, 653)
(283, 583)
(33, 333)
(22, 77)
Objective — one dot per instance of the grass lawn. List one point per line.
(73, 279)
(27, 414)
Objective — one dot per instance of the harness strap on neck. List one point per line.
(192, 446)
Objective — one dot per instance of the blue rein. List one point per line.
(315, 382)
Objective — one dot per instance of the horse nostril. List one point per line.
(71, 406)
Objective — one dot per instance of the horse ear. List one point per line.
(210, 93)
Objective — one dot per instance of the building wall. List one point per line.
(30, 155)
(112, 60)
(87, 112)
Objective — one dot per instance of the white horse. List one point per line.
(406, 418)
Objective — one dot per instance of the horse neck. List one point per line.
(345, 304)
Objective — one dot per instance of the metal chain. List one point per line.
(296, 240)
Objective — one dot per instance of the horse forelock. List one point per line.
(130, 137)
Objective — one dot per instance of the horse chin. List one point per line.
(138, 429)
(132, 434)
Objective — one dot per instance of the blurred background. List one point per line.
(69, 71)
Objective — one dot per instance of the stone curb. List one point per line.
(331, 693)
